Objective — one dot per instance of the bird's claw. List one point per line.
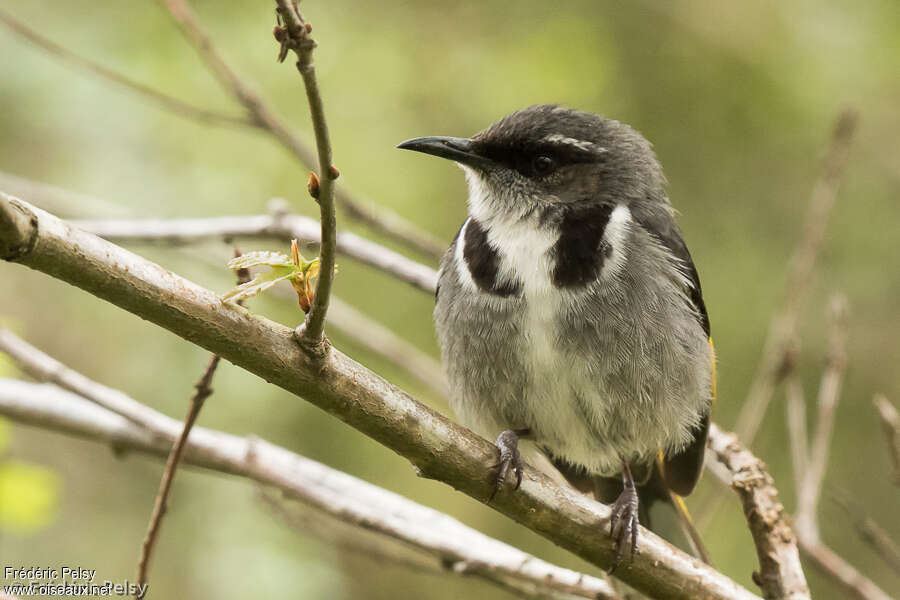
(625, 513)
(508, 444)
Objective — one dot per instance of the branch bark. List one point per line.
(437, 447)
(456, 548)
(854, 583)
(781, 574)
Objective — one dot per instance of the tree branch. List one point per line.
(164, 101)
(379, 219)
(297, 39)
(781, 574)
(278, 225)
(869, 530)
(890, 422)
(810, 488)
(160, 504)
(800, 269)
(437, 447)
(202, 391)
(459, 549)
(845, 575)
(797, 431)
(854, 583)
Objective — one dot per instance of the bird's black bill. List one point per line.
(456, 149)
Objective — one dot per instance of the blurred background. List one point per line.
(738, 100)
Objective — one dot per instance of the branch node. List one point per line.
(18, 228)
(317, 349)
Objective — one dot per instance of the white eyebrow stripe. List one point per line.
(557, 138)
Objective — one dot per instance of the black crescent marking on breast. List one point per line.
(580, 251)
(483, 262)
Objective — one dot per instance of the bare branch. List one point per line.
(781, 574)
(379, 219)
(800, 268)
(851, 580)
(890, 422)
(160, 505)
(437, 447)
(278, 225)
(296, 37)
(202, 391)
(164, 101)
(796, 421)
(829, 391)
(45, 368)
(392, 517)
(854, 583)
(870, 531)
(281, 225)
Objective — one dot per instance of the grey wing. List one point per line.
(682, 470)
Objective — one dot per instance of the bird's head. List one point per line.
(547, 157)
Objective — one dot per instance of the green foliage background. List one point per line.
(738, 99)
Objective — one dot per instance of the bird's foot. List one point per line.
(508, 444)
(625, 513)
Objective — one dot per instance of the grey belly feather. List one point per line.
(617, 370)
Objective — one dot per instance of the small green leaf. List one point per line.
(256, 259)
(260, 283)
(296, 269)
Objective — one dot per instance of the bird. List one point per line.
(569, 311)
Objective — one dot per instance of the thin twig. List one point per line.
(796, 421)
(890, 422)
(810, 488)
(278, 225)
(868, 529)
(436, 446)
(165, 101)
(813, 459)
(378, 218)
(781, 574)
(334, 495)
(854, 583)
(296, 37)
(799, 273)
(202, 391)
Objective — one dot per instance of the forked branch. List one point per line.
(437, 447)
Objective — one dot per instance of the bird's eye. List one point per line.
(542, 164)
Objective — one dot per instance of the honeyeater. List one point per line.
(569, 311)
